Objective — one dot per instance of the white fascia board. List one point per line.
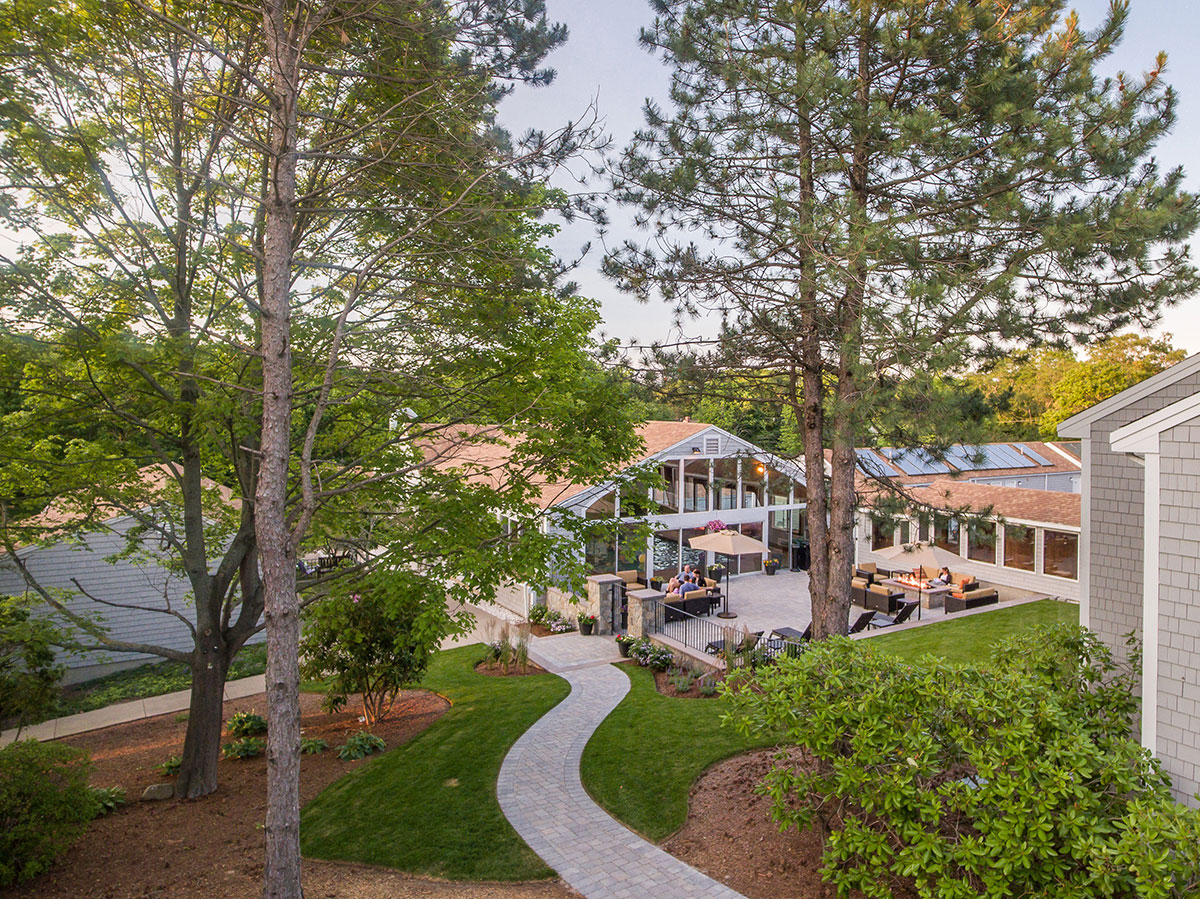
(1141, 436)
(1079, 425)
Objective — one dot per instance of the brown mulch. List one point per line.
(729, 835)
(512, 671)
(213, 846)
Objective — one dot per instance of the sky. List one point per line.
(602, 63)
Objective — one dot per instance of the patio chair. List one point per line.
(863, 620)
(881, 620)
(746, 644)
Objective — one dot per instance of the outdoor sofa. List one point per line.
(960, 601)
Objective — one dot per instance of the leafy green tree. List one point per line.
(375, 636)
(425, 320)
(874, 195)
(29, 669)
(1019, 777)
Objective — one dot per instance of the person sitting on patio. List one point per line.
(943, 578)
(689, 584)
(673, 584)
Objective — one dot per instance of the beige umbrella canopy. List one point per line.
(921, 554)
(729, 543)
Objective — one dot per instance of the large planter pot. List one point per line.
(770, 569)
(716, 572)
(585, 628)
(623, 648)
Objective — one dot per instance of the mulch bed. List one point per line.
(213, 846)
(662, 683)
(729, 835)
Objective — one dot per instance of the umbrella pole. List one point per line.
(725, 613)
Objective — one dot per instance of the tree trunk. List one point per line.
(281, 875)
(202, 745)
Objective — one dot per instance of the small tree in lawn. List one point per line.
(374, 636)
(29, 672)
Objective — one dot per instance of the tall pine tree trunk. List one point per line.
(281, 876)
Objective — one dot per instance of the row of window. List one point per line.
(1013, 547)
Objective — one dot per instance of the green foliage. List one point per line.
(246, 724)
(245, 748)
(708, 685)
(312, 745)
(651, 655)
(108, 799)
(360, 745)
(171, 766)
(29, 673)
(429, 806)
(375, 635)
(537, 615)
(682, 680)
(1017, 778)
(45, 803)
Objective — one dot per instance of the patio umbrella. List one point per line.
(922, 554)
(727, 543)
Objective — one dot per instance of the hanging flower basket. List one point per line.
(715, 526)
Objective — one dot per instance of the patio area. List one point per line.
(765, 603)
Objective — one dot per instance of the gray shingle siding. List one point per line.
(1179, 608)
(142, 583)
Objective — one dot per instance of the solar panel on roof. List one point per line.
(869, 463)
(915, 461)
(1010, 457)
(1031, 454)
(967, 457)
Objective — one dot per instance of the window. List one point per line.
(695, 485)
(754, 484)
(665, 545)
(945, 533)
(725, 476)
(1060, 554)
(906, 532)
(667, 498)
(981, 542)
(883, 534)
(1018, 546)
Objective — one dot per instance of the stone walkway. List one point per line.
(541, 794)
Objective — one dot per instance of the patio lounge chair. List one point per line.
(863, 620)
(746, 644)
(906, 610)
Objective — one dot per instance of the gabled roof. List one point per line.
(1077, 425)
(1141, 436)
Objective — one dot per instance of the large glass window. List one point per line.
(695, 485)
(691, 556)
(981, 542)
(945, 533)
(666, 553)
(631, 550)
(751, 561)
(1060, 554)
(778, 488)
(604, 507)
(1019, 542)
(779, 537)
(754, 484)
(667, 498)
(725, 475)
(600, 554)
(883, 534)
(906, 531)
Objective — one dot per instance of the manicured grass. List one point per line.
(429, 807)
(641, 762)
(964, 640)
(149, 680)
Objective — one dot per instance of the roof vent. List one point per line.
(712, 446)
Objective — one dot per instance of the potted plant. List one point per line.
(586, 623)
(716, 572)
(771, 566)
(624, 641)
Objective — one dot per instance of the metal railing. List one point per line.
(721, 640)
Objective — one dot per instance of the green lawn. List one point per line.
(429, 807)
(970, 639)
(641, 762)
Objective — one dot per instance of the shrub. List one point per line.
(557, 624)
(312, 745)
(708, 685)
(29, 675)
(171, 766)
(107, 799)
(651, 655)
(245, 748)
(45, 803)
(537, 615)
(1008, 780)
(682, 682)
(375, 637)
(360, 745)
(246, 724)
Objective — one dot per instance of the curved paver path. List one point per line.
(542, 796)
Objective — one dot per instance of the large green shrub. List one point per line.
(1019, 778)
(45, 803)
(375, 636)
(29, 675)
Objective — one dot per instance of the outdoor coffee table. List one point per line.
(788, 633)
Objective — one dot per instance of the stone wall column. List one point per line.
(600, 591)
(645, 617)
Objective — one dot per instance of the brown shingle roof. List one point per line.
(1045, 506)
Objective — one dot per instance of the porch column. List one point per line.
(600, 594)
